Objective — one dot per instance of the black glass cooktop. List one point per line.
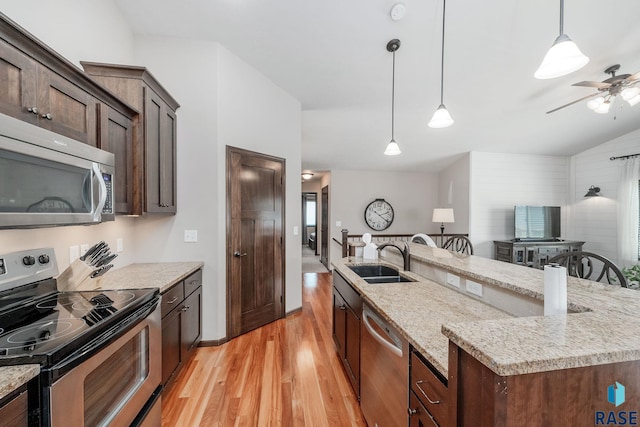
(43, 327)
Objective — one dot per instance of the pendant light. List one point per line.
(563, 58)
(441, 118)
(392, 147)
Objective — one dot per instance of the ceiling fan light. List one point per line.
(595, 103)
(605, 106)
(630, 93)
(563, 58)
(441, 118)
(633, 101)
(392, 149)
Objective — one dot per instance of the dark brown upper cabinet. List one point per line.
(155, 144)
(39, 86)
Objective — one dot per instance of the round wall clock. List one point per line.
(378, 215)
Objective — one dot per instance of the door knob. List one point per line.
(237, 254)
(33, 110)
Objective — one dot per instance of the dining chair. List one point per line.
(590, 266)
(459, 244)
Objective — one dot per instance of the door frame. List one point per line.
(228, 243)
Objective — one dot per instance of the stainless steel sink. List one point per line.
(379, 274)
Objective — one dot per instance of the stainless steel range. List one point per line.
(99, 351)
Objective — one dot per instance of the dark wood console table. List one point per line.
(532, 253)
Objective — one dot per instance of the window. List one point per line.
(311, 213)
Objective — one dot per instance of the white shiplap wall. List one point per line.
(594, 220)
(499, 181)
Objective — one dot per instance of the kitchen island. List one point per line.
(501, 340)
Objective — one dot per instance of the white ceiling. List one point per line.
(331, 55)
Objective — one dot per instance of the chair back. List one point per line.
(459, 244)
(423, 239)
(590, 266)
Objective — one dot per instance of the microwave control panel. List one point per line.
(108, 204)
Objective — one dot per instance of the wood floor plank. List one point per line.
(286, 373)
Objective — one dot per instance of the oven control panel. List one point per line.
(24, 267)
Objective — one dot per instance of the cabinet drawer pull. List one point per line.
(416, 411)
(433, 402)
(343, 307)
(193, 282)
(47, 116)
(174, 299)
(185, 308)
(33, 110)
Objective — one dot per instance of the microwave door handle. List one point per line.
(102, 198)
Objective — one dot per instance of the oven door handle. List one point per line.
(105, 338)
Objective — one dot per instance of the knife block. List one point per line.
(73, 276)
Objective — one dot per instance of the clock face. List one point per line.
(378, 215)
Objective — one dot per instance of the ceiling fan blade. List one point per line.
(574, 102)
(636, 76)
(599, 85)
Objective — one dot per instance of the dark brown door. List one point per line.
(324, 228)
(255, 240)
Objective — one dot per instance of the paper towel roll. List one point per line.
(555, 289)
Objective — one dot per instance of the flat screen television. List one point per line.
(537, 222)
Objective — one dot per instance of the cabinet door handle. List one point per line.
(433, 402)
(47, 116)
(237, 254)
(193, 282)
(33, 110)
(185, 308)
(343, 307)
(174, 299)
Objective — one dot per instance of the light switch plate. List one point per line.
(190, 236)
(84, 248)
(119, 244)
(74, 253)
(295, 230)
(338, 223)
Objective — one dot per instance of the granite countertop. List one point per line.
(429, 315)
(13, 377)
(161, 275)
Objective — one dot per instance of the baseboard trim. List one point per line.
(292, 312)
(213, 343)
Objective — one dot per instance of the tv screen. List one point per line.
(537, 222)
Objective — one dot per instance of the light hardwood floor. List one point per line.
(286, 373)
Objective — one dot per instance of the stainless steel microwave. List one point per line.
(48, 179)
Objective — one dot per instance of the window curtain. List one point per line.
(628, 206)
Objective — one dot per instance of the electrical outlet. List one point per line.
(453, 280)
(74, 253)
(119, 244)
(474, 288)
(84, 248)
(338, 223)
(190, 236)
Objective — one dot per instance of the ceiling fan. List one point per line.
(625, 85)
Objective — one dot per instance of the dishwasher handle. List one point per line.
(393, 347)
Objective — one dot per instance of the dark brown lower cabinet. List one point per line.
(181, 324)
(347, 311)
(15, 412)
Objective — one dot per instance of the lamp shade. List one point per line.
(563, 58)
(443, 215)
(392, 149)
(441, 118)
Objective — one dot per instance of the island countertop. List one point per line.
(605, 329)
(14, 377)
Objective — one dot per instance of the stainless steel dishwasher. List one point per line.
(384, 367)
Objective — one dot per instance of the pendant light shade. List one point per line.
(392, 147)
(563, 58)
(441, 118)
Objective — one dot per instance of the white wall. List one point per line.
(412, 195)
(594, 219)
(453, 192)
(499, 181)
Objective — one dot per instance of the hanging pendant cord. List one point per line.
(561, 17)
(444, 5)
(393, 93)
